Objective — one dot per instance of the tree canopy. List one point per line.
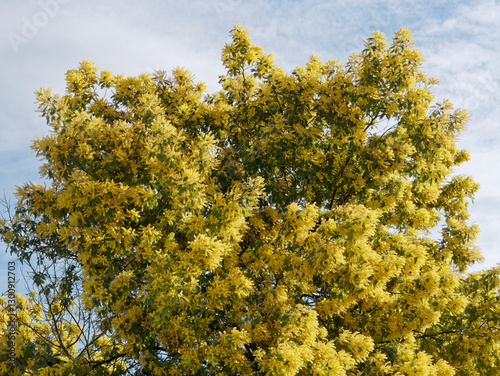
(302, 223)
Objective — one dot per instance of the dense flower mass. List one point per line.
(303, 223)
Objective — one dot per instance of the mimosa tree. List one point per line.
(303, 223)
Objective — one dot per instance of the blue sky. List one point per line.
(42, 39)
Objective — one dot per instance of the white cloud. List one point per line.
(463, 52)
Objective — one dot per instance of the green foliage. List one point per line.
(277, 227)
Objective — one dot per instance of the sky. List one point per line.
(41, 39)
